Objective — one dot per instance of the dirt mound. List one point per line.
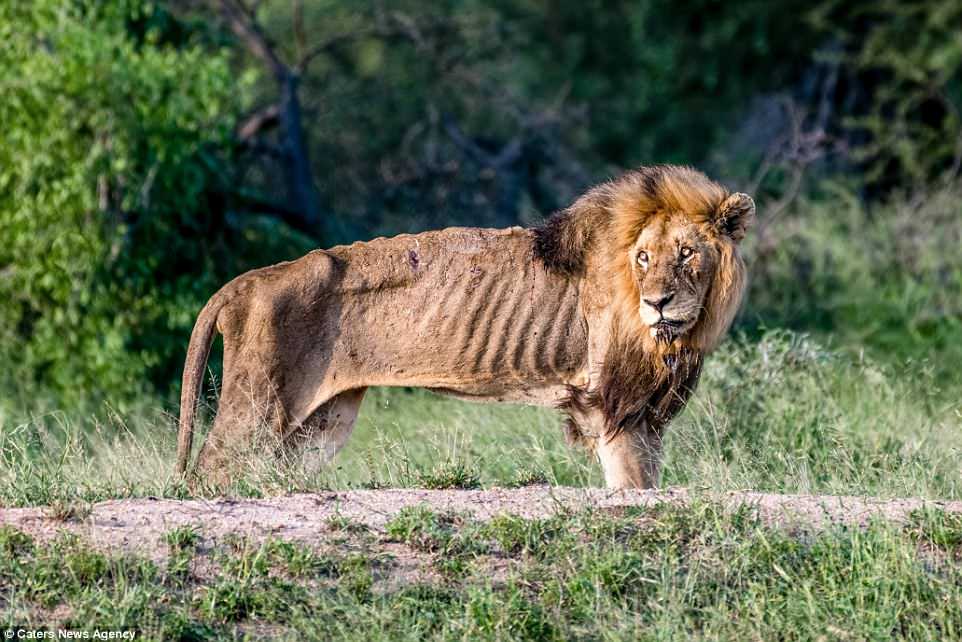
(140, 524)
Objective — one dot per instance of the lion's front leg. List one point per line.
(631, 459)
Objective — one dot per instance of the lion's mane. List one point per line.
(643, 380)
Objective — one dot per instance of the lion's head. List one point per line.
(666, 240)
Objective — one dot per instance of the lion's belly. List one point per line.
(535, 395)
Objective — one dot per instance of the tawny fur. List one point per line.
(547, 316)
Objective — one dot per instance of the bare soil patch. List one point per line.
(139, 525)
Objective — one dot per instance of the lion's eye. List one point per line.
(686, 252)
(642, 258)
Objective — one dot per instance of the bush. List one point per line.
(107, 132)
(113, 226)
(887, 278)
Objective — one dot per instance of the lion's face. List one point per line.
(663, 241)
(673, 262)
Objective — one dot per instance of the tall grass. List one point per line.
(786, 415)
(782, 413)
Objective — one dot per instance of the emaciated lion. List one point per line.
(605, 311)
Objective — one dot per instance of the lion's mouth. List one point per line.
(666, 330)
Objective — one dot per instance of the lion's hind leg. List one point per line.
(250, 421)
(324, 433)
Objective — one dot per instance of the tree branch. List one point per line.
(297, 166)
(342, 39)
(394, 25)
(265, 148)
(510, 153)
(258, 121)
(241, 21)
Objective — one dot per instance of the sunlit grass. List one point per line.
(786, 415)
(698, 571)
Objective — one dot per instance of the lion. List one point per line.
(605, 311)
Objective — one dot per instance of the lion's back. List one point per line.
(405, 259)
(460, 308)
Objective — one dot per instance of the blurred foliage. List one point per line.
(886, 277)
(116, 134)
(499, 111)
(904, 85)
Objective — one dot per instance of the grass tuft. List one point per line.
(450, 475)
(935, 527)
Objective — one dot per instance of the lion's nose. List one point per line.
(659, 302)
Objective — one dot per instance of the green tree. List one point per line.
(116, 123)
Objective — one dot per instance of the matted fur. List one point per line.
(644, 380)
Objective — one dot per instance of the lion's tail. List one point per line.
(197, 352)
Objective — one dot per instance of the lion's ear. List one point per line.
(734, 216)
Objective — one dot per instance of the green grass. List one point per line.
(787, 415)
(663, 573)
